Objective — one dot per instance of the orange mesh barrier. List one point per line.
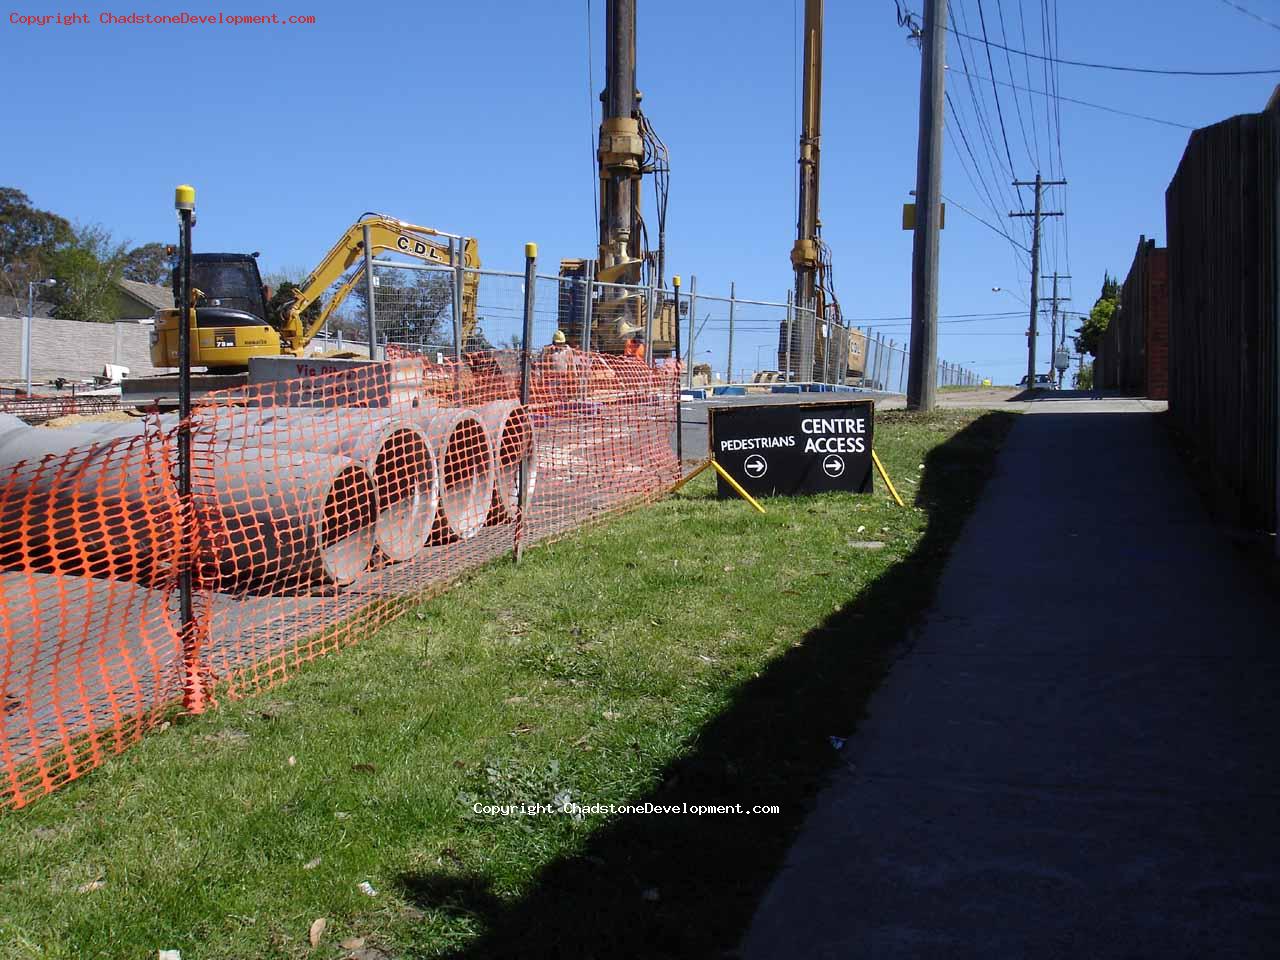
(90, 543)
(320, 509)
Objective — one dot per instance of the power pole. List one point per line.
(1053, 330)
(1039, 215)
(922, 387)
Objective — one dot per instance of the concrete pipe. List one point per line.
(80, 655)
(127, 428)
(465, 457)
(511, 438)
(393, 450)
(71, 502)
(287, 520)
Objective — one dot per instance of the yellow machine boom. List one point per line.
(385, 234)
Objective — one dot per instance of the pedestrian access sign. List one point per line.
(793, 449)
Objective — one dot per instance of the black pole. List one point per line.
(526, 354)
(185, 202)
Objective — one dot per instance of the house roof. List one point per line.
(17, 307)
(151, 294)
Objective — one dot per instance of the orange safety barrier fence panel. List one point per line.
(320, 509)
(91, 539)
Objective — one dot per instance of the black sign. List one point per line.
(796, 448)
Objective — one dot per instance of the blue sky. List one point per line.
(474, 118)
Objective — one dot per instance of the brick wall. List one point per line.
(65, 348)
(1157, 309)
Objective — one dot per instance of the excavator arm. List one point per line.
(385, 233)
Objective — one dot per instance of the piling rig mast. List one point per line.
(805, 341)
(628, 150)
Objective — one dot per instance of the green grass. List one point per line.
(692, 651)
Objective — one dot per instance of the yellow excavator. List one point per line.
(231, 322)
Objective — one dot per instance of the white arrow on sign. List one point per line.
(833, 465)
(755, 466)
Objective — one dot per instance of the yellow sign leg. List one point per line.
(737, 488)
(884, 475)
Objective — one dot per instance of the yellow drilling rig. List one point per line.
(624, 265)
(802, 343)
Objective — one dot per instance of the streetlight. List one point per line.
(1015, 296)
(26, 328)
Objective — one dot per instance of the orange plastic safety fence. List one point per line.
(320, 509)
(91, 539)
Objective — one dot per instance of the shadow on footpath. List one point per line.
(687, 886)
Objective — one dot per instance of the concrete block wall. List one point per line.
(65, 348)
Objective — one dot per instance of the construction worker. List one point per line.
(634, 348)
(558, 354)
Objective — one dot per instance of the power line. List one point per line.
(994, 92)
(1249, 13)
(1017, 103)
(991, 153)
(949, 317)
(1124, 69)
(989, 226)
(1083, 103)
(991, 205)
(1026, 69)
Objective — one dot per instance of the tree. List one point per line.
(411, 306)
(28, 238)
(87, 269)
(1084, 377)
(25, 231)
(148, 263)
(1089, 335)
(284, 291)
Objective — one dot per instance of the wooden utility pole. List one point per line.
(922, 386)
(1039, 214)
(1053, 338)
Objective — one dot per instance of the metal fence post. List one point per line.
(526, 352)
(584, 341)
(26, 336)
(733, 293)
(370, 311)
(826, 348)
(791, 312)
(456, 253)
(675, 283)
(693, 330)
(650, 298)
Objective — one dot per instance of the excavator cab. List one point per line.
(231, 322)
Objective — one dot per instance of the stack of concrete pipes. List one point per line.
(73, 502)
(302, 497)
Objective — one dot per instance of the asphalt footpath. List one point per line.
(1076, 754)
